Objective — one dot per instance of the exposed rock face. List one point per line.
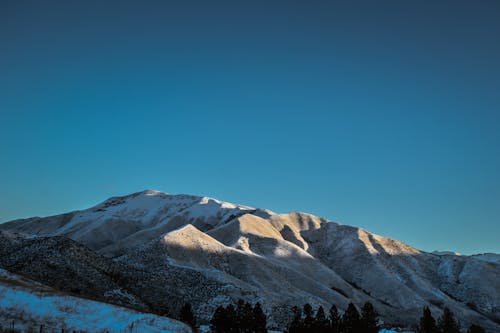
(155, 247)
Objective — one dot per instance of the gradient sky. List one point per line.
(379, 114)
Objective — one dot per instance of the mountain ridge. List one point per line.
(278, 259)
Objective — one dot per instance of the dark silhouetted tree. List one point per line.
(259, 319)
(308, 318)
(231, 318)
(218, 323)
(240, 319)
(321, 324)
(243, 315)
(447, 322)
(296, 324)
(475, 329)
(186, 315)
(248, 320)
(369, 320)
(351, 320)
(427, 322)
(335, 320)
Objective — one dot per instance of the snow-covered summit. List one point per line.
(123, 222)
(153, 192)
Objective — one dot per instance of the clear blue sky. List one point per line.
(380, 114)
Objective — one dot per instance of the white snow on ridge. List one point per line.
(446, 253)
(488, 257)
(154, 192)
(211, 207)
(30, 307)
(150, 207)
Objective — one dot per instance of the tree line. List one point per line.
(445, 324)
(350, 322)
(242, 317)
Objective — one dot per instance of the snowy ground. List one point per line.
(29, 307)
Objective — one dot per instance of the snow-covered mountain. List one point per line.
(209, 252)
(121, 223)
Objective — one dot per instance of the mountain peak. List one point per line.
(153, 192)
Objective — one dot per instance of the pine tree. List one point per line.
(308, 318)
(260, 319)
(231, 319)
(186, 315)
(335, 320)
(369, 320)
(219, 322)
(296, 324)
(248, 319)
(475, 329)
(427, 322)
(321, 324)
(242, 316)
(351, 320)
(240, 319)
(447, 322)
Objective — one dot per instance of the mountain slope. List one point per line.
(121, 223)
(278, 259)
(29, 305)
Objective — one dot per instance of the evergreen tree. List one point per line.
(321, 324)
(369, 320)
(242, 316)
(219, 322)
(447, 322)
(351, 320)
(231, 319)
(308, 318)
(259, 319)
(240, 319)
(296, 324)
(475, 329)
(335, 321)
(248, 319)
(427, 322)
(186, 315)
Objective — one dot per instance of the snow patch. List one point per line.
(28, 307)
